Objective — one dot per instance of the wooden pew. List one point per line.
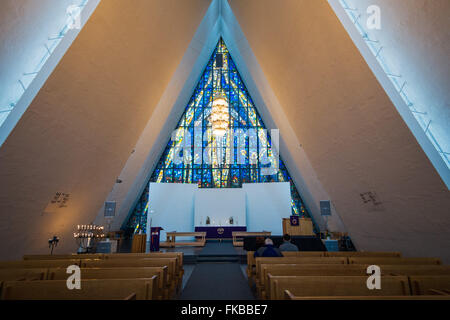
(91, 289)
(393, 260)
(311, 286)
(431, 284)
(157, 262)
(23, 274)
(291, 260)
(238, 236)
(297, 260)
(251, 258)
(263, 285)
(26, 264)
(362, 254)
(119, 273)
(177, 255)
(303, 253)
(414, 269)
(63, 256)
(289, 296)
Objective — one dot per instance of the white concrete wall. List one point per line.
(219, 205)
(79, 131)
(267, 205)
(168, 214)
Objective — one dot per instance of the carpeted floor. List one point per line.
(217, 281)
(218, 248)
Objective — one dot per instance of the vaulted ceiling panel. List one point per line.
(80, 129)
(350, 130)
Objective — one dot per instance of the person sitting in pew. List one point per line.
(287, 245)
(268, 250)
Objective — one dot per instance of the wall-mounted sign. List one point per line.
(325, 207)
(110, 209)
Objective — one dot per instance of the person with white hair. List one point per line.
(268, 250)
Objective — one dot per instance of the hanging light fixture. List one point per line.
(220, 116)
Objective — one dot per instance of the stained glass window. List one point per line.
(195, 154)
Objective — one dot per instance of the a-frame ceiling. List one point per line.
(111, 103)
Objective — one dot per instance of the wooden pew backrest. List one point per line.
(303, 253)
(63, 256)
(415, 269)
(341, 270)
(310, 270)
(23, 274)
(172, 275)
(307, 286)
(114, 273)
(25, 264)
(362, 254)
(105, 289)
(178, 255)
(289, 296)
(298, 260)
(393, 260)
(422, 285)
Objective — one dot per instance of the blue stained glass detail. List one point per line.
(245, 164)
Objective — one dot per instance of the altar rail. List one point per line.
(171, 239)
(240, 235)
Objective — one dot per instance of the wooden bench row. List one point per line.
(353, 286)
(251, 257)
(91, 289)
(169, 281)
(105, 256)
(174, 271)
(94, 273)
(111, 258)
(254, 269)
(263, 286)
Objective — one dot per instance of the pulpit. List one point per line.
(154, 238)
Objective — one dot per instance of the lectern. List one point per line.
(154, 238)
(138, 245)
(301, 226)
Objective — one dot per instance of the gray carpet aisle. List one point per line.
(217, 281)
(218, 248)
